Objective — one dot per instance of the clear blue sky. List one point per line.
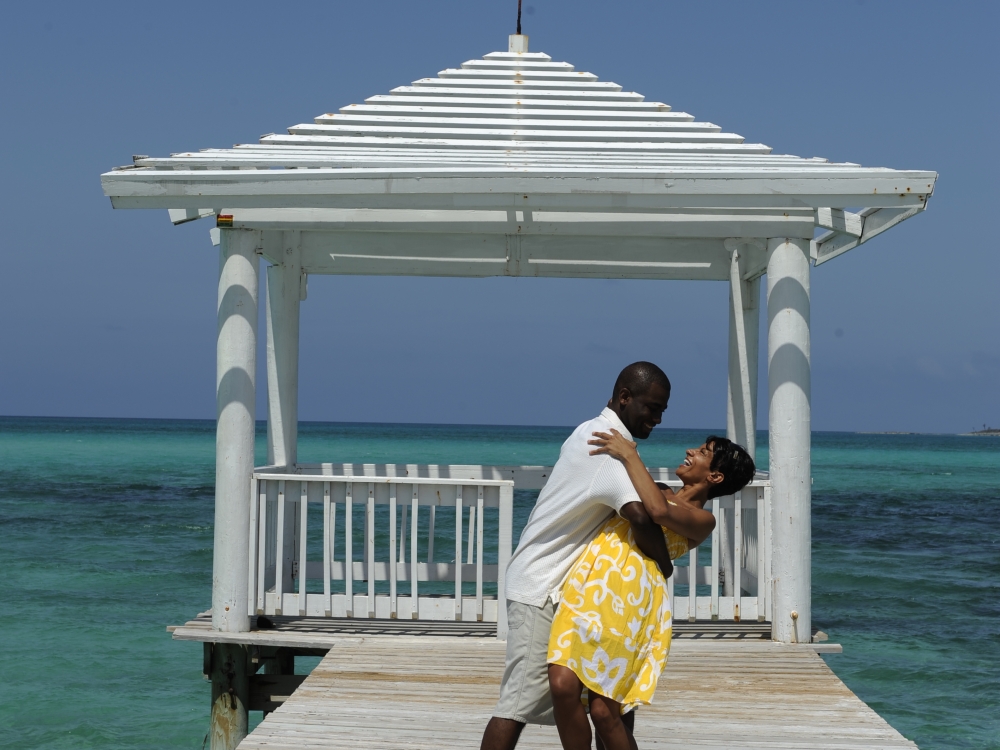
(112, 313)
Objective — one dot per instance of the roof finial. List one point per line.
(519, 17)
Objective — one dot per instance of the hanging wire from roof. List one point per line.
(518, 16)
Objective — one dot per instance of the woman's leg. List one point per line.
(607, 718)
(571, 717)
(629, 721)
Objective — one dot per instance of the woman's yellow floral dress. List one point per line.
(613, 624)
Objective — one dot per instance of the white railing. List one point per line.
(742, 534)
(303, 535)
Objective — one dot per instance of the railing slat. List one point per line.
(693, 584)
(329, 525)
(303, 543)
(504, 541)
(402, 536)
(458, 552)
(430, 535)
(392, 552)
(252, 547)
(472, 526)
(370, 548)
(716, 556)
(414, 517)
(737, 554)
(279, 558)
(349, 548)
(262, 542)
(761, 554)
(479, 553)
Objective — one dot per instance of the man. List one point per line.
(582, 493)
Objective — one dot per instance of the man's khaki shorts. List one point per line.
(524, 692)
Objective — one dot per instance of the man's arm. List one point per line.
(648, 536)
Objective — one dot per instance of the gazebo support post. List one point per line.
(284, 284)
(236, 358)
(788, 374)
(284, 292)
(741, 411)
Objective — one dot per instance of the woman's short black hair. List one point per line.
(733, 462)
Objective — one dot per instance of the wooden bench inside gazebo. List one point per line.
(512, 165)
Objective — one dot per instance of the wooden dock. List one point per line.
(422, 691)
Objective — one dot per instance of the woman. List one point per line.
(611, 633)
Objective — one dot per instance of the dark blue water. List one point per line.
(106, 529)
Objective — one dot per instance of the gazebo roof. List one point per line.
(516, 144)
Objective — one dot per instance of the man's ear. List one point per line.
(624, 396)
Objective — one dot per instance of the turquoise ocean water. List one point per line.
(106, 537)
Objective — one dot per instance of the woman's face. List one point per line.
(697, 465)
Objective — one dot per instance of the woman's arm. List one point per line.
(694, 524)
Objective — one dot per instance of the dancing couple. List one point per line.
(588, 612)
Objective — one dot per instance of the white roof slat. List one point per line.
(691, 144)
(516, 65)
(519, 83)
(517, 133)
(520, 93)
(510, 74)
(402, 107)
(422, 96)
(535, 122)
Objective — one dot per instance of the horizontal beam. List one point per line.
(471, 255)
(360, 188)
(667, 223)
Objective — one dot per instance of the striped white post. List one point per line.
(235, 391)
(236, 366)
(788, 374)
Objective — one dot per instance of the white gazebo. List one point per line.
(512, 165)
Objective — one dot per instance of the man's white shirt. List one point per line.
(580, 496)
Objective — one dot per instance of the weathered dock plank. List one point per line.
(419, 692)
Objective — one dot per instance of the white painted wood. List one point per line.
(261, 547)
(458, 552)
(839, 220)
(349, 547)
(479, 551)
(255, 552)
(329, 526)
(370, 545)
(737, 555)
(430, 534)
(717, 556)
(517, 44)
(504, 549)
(282, 316)
(392, 549)
(303, 539)
(414, 518)
(236, 352)
(788, 351)
(692, 596)
(282, 537)
(744, 320)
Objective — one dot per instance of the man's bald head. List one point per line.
(639, 377)
(640, 398)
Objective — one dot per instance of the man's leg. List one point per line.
(629, 721)
(571, 717)
(501, 734)
(524, 690)
(607, 718)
